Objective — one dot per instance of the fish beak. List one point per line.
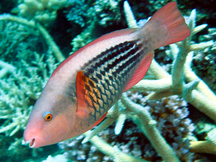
(31, 143)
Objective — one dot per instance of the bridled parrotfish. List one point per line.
(89, 82)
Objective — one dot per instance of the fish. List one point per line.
(89, 82)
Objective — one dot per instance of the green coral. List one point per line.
(13, 35)
(23, 73)
(100, 14)
(204, 62)
(164, 84)
(43, 11)
(22, 78)
(21, 90)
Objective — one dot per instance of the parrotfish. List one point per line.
(90, 81)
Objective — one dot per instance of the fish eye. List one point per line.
(47, 116)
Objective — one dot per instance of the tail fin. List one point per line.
(168, 25)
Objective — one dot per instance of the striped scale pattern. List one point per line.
(108, 74)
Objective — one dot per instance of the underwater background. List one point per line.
(36, 35)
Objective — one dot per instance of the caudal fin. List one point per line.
(169, 25)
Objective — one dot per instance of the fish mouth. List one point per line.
(31, 143)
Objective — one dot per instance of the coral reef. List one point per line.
(43, 11)
(204, 61)
(21, 89)
(13, 36)
(23, 73)
(24, 39)
(171, 114)
(148, 129)
(100, 13)
(182, 82)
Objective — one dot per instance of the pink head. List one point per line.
(52, 119)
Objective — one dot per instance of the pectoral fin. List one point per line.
(87, 95)
(82, 106)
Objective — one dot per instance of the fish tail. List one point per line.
(166, 26)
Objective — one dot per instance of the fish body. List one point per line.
(85, 86)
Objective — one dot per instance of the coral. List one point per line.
(170, 114)
(24, 73)
(10, 39)
(204, 61)
(82, 39)
(106, 11)
(146, 128)
(32, 24)
(182, 82)
(57, 158)
(24, 70)
(77, 12)
(99, 13)
(6, 68)
(43, 11)
(21, 89)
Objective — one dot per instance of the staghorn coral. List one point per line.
(57, 158)
(24, 73)
(13, 35)
(21, 89)
(26, 64)
(171, 115)
(24, 70)
(160, 84)
(5, 69)
(163, 84)
(204, 61)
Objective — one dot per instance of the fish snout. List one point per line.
(31, 138)
(31, 143)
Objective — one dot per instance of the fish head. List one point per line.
(52, 119)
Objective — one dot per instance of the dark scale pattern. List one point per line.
(110, 71)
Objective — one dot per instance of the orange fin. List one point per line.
(88, 96)
(141, 70)
(82, 106)
(98, 121)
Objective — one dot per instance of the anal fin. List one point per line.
(97, 122)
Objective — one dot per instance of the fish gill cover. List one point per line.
(166, 104)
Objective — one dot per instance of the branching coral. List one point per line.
(5, 68)
(11, 35)
(24, 71)
(21, 88)
(204, 61)
(16, 98)
(182, 82)
(151, 118)
(169, 116)
(43, 11)
(18, 94)
(99, 13)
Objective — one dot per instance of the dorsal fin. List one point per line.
(141, 71)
